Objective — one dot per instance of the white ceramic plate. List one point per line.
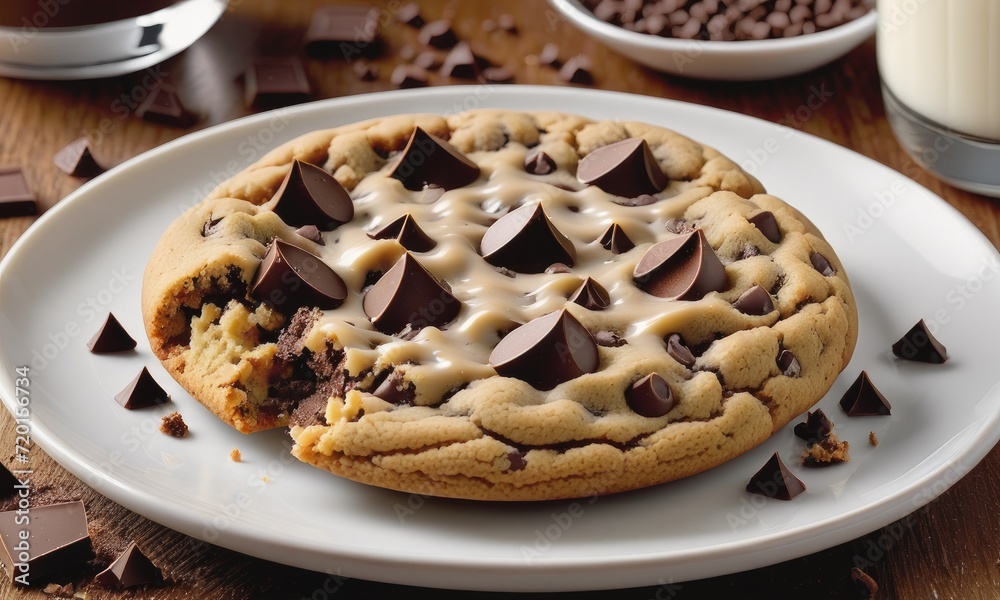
(909, 256)
(746, 60)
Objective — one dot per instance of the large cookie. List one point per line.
(517, 306)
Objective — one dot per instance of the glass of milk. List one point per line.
(939, 61)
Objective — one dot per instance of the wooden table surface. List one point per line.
(948, 549)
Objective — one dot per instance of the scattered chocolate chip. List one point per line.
(58, 542)
(408, 76)
(774, 480)
(429, 160)
(174, 425)
(311, 196)
(77, 159)
(616, 240)
(273, 82)
(816, 427)
(679, 351)
(407, 232)
(549, 56)
(438, 34)
(526, 241)
(311, 233)
(409, 14)
(650, 396)
(460, 63)
(591, 295)
(678, 226)
(767, 225)
(918, 344)
(365, 71)
(130, 569)
(111, 337)
(640, 200)
(788, 364)
(862, 399)
(428, 59)
(164, 106)
(547, 351)
(142, 392)
(498, 75)
(821, 264)
(862, 585)
(15, 198)
(685, 268)
(754, 302)
(537, 162)
(290, 278)
(409, 295)
(343, 30)
(506, 22)
(517, 460)
(558, 267)
(609, 339)
(577, 70)
(395, 390)
(626, 168)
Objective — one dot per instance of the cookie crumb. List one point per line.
(59, 590)
(872, 439)
(826, 452)
(862, 585)
(174, 425)
(235, 455)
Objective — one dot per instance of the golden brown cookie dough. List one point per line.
(423, 409)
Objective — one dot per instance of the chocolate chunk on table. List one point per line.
(409, 76)
(438, 34)
(164, 106)
(15, 198)
(54, 541)
(343, 30)
(132, 568)
(77, 159)
(276, 81)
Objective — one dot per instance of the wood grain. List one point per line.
(950, 548)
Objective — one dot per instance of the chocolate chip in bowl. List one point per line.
(735, 40)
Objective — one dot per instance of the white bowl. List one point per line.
(744, 60)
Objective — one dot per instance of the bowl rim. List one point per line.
(575, 12)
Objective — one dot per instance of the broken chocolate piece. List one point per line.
(311, 196)
(539, 163)
(395, 390)
(311, 233)
(276, 81)
(438, 34)
(111, 337)
(918, 344)
(77, 159)
(774, 480)
(549, 56)
(862, 399)
(7, 482)
(290, 278)
(498, 75)
(130, 569)
(679, 351)
(15, 199)
(650, 396)
(142, 392)
(626, 168)
(609, 339)
(821, 264)
(577, 70)
(58, 541)
(429, 160)
(408, 294)
(460, 63)
(755, 302)
(767, 225)
(164, 106)
(174, 425)
(788, 364)
(816, 427)
(408, 76)
(409, 14)
(547, 351)
(526, 241)
(406, 231)
(591, 295)
(616, 240)
(343, 30)
(684, 268)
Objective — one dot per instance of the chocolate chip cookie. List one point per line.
(501, 305)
